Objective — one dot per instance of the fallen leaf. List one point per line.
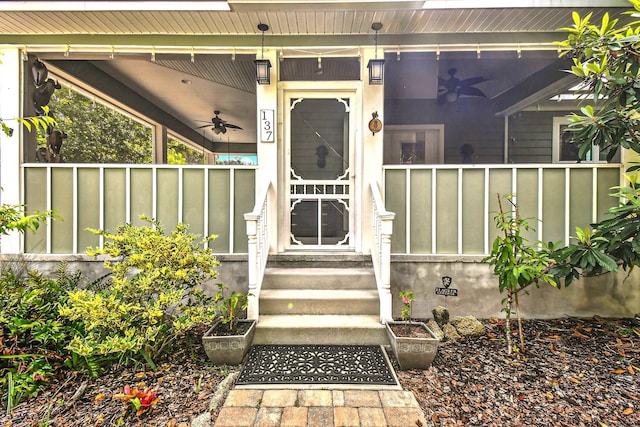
(553, 337)
(630, 370)
(618, 371)
(627, 411)
(99, 397)
(580, 335)
(549, 395)
(574, 380)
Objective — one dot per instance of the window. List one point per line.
(564, 151)
(414, 144)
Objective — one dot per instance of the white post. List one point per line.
(10, 160)
(385, 266)
(252, 235)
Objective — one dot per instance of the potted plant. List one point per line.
(413, 343)
(229, 339)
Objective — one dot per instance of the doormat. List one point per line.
(317, 364)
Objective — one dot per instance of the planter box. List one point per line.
(411, 352)
(231, 349)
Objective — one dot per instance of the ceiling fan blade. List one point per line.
(471, 91)
(203, 126)
(472, 81)
(231, 126)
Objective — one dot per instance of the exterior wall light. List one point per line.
(263, 66)
(376, 66)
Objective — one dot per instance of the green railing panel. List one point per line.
(141, 200)
(36, 200)
(219, 212)
(167, 197)
(88, 207)
(500, 182)
(244, 201)
(446, 211)
(473, 211)
(193, 200)
(580, 205)
(607, 178)
(62, 203)
(527, 200)
(553, 205)
(420, 211)
(395, 201)
(115, 198)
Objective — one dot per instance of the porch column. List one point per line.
(159, 144)
(371, 148)
(10, 177)
(267, 172)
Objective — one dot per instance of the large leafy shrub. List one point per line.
(155, 292)
(33, 337)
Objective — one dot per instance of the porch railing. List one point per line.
(450, 209)
(210, 198)
(381, 251)
(258, 238)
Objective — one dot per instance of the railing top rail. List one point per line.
(134, 166)
(510, 166)
(377, 200)
(260, 201)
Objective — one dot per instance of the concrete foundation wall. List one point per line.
(232, 271)
(609, 295)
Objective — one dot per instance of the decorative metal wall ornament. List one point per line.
(317, 364)
(375, 125)
(263, 66)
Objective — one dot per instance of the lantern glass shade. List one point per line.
(263, 73)
(376, 71)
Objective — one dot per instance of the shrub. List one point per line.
(154, 294)
(33, 337)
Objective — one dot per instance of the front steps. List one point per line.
(305, 302)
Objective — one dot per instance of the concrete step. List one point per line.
(314, 301)
(319, 278)
(334, 259)
(323, 329)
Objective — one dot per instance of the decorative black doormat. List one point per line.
(317, 364)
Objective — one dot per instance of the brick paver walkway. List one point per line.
(322, 408)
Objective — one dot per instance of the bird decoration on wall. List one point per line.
(219, 125)
(449, 90)
(44, 87)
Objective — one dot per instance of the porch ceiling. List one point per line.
(93, 31)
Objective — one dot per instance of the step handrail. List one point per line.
(381, 251)
(258, 250)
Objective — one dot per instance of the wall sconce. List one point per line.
(263, 66)
(376, 66)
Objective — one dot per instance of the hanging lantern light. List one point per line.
(263, 66)
(376, 66)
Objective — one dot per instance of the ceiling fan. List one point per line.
(449, 90)
(219, 125)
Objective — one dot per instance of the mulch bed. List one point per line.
(575, 372)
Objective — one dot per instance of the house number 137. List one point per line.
(266, 125)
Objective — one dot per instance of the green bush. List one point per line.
(154, 295)
(33, 337)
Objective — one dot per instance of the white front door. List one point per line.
(319, 140)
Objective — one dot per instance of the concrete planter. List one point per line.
(229, 349)
(413, 352)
